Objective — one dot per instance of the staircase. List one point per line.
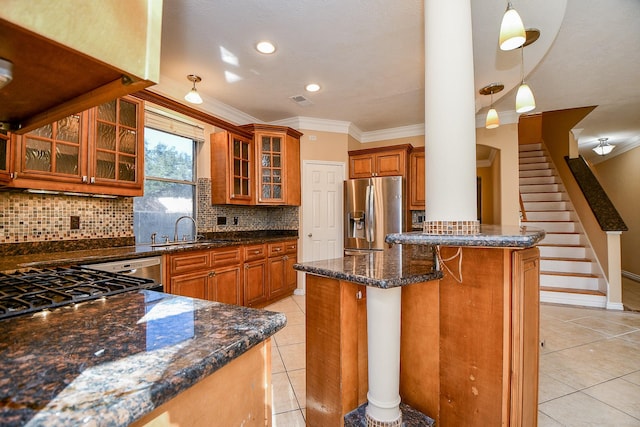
(569, 272)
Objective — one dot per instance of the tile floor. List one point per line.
(589, 366)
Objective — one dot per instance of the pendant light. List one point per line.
(493, 120)
(6, 72)
(193, 96)
(603, 147)
(512, 33)
(525, 100)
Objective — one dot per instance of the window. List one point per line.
(169, 187)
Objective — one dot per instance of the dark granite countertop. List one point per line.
(490, 236)
(396, 266)
(108, 362)
(106, 254)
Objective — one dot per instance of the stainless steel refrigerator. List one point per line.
(374, 207)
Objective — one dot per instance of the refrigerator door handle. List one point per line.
(370, 216)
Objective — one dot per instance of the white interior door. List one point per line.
(322, 211)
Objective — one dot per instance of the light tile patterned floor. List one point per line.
(589, 367)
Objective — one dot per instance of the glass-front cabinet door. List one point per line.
(117, 143)
(5, 156)
(270, 173)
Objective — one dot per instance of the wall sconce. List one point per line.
(492, 121)
(6, 72)
(525, 100)
(603, 147)
(193, 96)
(512, 34)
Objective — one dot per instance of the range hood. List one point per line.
(69, 56)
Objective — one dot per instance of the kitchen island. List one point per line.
(469, 327)
(136, 358)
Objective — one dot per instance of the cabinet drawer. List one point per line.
(226, 256)
(276, 249)
(291, 247)
(189, 262)
(254, 252)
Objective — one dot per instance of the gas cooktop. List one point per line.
(37, 290)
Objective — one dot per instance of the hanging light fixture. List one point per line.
(512, 34)
(525, 100)
(492, 121)
(193, 96)
(603, 147)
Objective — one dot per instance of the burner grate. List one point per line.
(36, 290)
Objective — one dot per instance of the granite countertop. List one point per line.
(106, 254)
(396, 266)
(108, 362)
(490, 236)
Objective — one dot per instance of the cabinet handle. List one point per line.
(212, 273)
(93, 180)
(286, 257)
(85, 178)
(256, 252)
(359, 295)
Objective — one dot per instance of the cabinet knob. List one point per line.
(85, 178)
(310, 235)
(212, 273)
(93, 180)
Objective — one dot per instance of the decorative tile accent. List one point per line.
(249, 217)
(42, 217)
(371, 422)
(452, 228)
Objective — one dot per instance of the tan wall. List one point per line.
(329, 146)
(620, 178)
(504, 139)
(486, 191)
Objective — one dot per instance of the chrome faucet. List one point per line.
(195, 226)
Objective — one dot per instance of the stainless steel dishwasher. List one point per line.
(148, 268)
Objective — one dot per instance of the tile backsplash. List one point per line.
(42, 217)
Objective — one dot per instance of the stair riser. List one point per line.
(537, 180)
(531, 153)
(562, 252)
(549, 216)
(550, 227)
(543, 197)
(535, 172)
(570, 282)
(546, 188)
(543, 165)
(546, 206)
(537, 159)
(573, 299)
(562, 266)
(562, 239)
(530, 147)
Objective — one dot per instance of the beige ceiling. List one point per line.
(368, 57)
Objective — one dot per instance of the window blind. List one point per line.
(162, 121)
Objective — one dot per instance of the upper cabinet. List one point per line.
(232, 169)
(62, 64)
(384, 161)
(5, 157)
(97, 151)
(417, 180)
(277, 164)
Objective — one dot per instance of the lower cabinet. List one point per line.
(251, 275)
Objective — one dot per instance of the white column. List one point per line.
(450, 139)
(383, 344)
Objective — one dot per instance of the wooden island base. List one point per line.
(469, 351)
(239, 394)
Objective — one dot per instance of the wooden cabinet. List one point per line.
(214, 274)
(97, 151)
(5, 157)
(232, 169)
(277, 160)
(384, 161)
(256, 292)
(282, 277)
(416, 180)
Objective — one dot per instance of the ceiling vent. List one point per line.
(300, 100)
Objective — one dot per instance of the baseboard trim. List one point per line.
(631, 276)
(298, 291)
(615, 306)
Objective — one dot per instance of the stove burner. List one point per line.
(36, 290)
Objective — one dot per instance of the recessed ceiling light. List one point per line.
(312, 87)
(265, 47)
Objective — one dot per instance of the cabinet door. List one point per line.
(361, 166)
(192, 285)
(391, 163)
(271, 171)
(55, 152)
(255, 283)
(416, 181)
(290, 275)
(225, 285)
(277, 283)
(232, 164)
(118, 143)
